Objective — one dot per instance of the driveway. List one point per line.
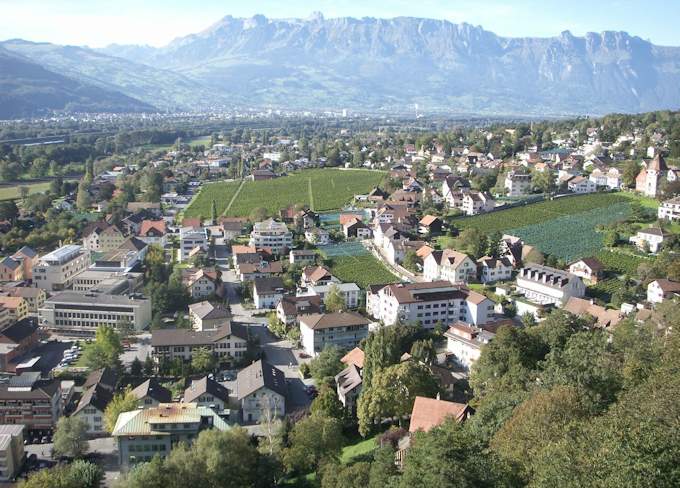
(139, 349)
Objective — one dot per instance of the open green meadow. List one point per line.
(321, 189)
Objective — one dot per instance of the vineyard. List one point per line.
(363, 270)
(322, 189)
(604, 289)
(537, 213)
(619, 262)
(573, 236)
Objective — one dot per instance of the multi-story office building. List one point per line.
(272, 235)
(57, 270)
(80, 313)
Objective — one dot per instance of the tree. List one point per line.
(392, 393)
(105, 351)
(9, 211)
(79, 474)
(258, 214)
(384, 347)
(383, 472)
(313, 441)
(121, 402)
(495, 245)
(70, 437)
(468, 463)
(474, 242)
(630, 172)
(203, 360)
(410, 261)
(327, 364)
(610, 238)
(23, 192)
(136, 367)
(83, 199)
(149, 366)
(334, 300)
(424, 351)
(544, 181)
(327, 404)
(355, 475)
(213, 212)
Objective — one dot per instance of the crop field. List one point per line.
(321, 189)
(221, 192)
(604, 289)
(363, 270)
(619, 262)
(573, 236)
(351, 248)
(537, 213)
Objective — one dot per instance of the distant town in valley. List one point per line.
(233, 261)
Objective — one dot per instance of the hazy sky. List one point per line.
(100, 22)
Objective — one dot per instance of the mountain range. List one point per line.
(364, 64)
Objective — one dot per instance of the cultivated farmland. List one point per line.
(363, 270)
(321, 189)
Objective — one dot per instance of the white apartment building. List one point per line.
(349, 291)
(474, 202)
(191, 238)
(272, 235)
(56, 271)
(581, 184)
(449, 265)
(650, 239)
(427, 304)
(79, 313)
(517, 184)
(341, 329)
(465, 343)
(670, 209)
(545, 285)
(492, 269)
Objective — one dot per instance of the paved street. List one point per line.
(139, 349)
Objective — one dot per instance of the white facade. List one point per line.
(56, 271)
(579, 184)
(517, 184)
(465, 343)
(491, 270)
(660, 290)
(349, 291)
(449, 265)
(670, 210)
(190, 238)
(545, 285)
(648, 239)
(345, 336)
(272, 235)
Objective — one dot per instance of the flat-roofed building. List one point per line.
(77, 313)
(191, 238)
(11, 451)
(56, 271)
(272, 235)
(343, 330)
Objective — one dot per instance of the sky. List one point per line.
(97, 23)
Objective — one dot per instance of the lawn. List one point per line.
(360, 448)
(363, 270)
(321, 189)
(11, 192)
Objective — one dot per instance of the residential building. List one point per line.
(350, 292)
(267, 292)
(11, 451)
(356, 357)
(316, 276)
(604, 318)
(231, 229)
(581, 184)
(612, 179)
(11, 270)
(77, 313)
(106, 377)
(355, 228)
(121, 260)
(17, 340)
(206, 392)
(102, 237)
(229, 343)
(662, 289)
(428, 304)
(260, 269)
(16, 306)
(302, 257)
(92, 406)
(28, 258)
(430, 225)
(348, 386)
(464, 342)
(649, 240)
(493, 269)
(206, 316)
(202, 283)
(271, 235)
(32, 401)
(340, 329)
(151, 393)
(670, 210)
(545, 285)
(589, 269)
(261, 390)
(34, 297)
(191, 238)
(153, 232)
(317, 236)
(143, 434)
(517, 184)
(56, 271)
(5, 318)
(449, 265)
(289, 309)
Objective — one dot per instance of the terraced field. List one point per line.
(322, 189)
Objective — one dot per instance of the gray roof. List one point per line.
(190, 337)
(349, 378)
(258, 375)
(205, 385)
(97, 396)
(336, 319)
(104, 376)
(153, 389)
(206, 310)
(268, 285)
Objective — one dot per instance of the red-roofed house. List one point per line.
(153, 232)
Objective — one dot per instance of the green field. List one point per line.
(619, 262)
(11, 192)
(321, 189)
(363, 270)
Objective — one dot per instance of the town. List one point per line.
(371, 285)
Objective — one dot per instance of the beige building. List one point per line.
(206, 316)
(102, 237)
(17, 307)
(56, 271)
(34, 297)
